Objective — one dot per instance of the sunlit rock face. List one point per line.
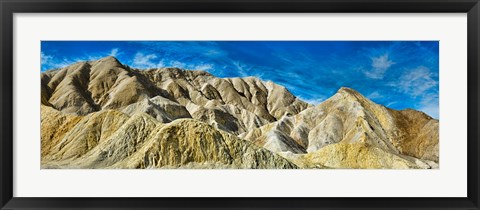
(103, 114)
(141, 141)
(346, 119)
(232, 104)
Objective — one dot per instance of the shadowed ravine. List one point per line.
(103, 114)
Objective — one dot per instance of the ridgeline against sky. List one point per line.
(399, 74)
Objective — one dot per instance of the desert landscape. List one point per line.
(103, 114)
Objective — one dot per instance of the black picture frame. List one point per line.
(9, 7)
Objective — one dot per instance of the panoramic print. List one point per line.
(239, 104)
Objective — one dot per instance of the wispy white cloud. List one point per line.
(242, 68)
(374, 95)
(141, 60)
(430, 105)
(161, 64)
(284, 57)
(215, 53)
(313, 101)
(382, 62)
(379, 67)
(115, 52)
(190, 54)
(248, 70)
(51, 62)
(45, 59)
(421, 84)
(391, 103)
(178, 64)
(431, 110)
(204, 66)
(89, 58)
(192, 66)
(417, 81)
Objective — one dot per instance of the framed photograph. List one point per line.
(239, 104)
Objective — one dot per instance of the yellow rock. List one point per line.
(356, 156)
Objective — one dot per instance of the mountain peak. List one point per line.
(109, 59)
(347, 90)
(107, 62)
(351, 93)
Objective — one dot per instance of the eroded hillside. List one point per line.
(103, 114)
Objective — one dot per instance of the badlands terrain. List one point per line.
(103, 114)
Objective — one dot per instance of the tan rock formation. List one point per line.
(162, 109)
(103, 114)
(358, 156)
(143, 142)
(87, 87)
(349, 118)
(74, 140)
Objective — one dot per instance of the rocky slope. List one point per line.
(103, 114)
(233, 104)
(111, 139)
(330, 129)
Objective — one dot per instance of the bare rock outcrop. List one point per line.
(141, 141)
(359, 156)
(349, 118)
(77, 135)
(232, 104)
(103, 114)
(162, 109)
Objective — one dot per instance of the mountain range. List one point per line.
(104, 114)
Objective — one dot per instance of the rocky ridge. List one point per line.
(111, 139)
(232, 104)
(346, 119)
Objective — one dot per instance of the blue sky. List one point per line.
(397, 74)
